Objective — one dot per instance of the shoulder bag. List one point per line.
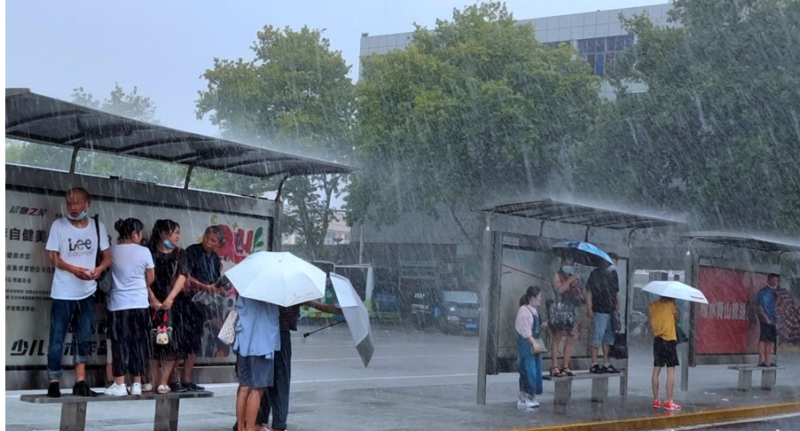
(105, 282)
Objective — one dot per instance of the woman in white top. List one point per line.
(128, 306)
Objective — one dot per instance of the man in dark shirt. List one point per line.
(205, 268)
(602, 304)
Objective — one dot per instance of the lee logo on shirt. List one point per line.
(80, 248)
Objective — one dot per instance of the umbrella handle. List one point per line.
(307, 334)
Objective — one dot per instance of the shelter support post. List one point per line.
(188, 177)
(486, 286)
(692, 263)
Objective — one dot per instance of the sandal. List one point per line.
(555, 372)
(163, 389)
(567, 372)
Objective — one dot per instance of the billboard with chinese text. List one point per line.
(728, 323)
(29, 273)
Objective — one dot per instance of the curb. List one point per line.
(677, 419)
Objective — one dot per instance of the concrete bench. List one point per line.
(769, 376)
(73, 408)
(563, 386)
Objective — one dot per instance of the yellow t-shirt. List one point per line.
(662, 319)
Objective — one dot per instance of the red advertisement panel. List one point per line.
(728, 324)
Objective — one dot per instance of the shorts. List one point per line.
(767, 333)
(602, 330)
(255, 371)
(665, 353)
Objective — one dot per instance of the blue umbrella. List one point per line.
(583, 253)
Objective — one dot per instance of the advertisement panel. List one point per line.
(728, 324)
(29, 273)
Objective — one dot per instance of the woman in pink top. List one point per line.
(528, 325)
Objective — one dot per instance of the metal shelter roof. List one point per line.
(741, 240)
(579, 214)
(33, 117)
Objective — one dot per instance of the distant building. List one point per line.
(598, 37)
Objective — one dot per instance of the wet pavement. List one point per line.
(427, 381)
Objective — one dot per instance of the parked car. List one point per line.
(448, 310)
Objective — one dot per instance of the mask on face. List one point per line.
(168, 244)
(612, 268)
(537, 303)
(80, 216)
(568, 269)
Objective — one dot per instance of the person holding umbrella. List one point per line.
(663, 315)
(562, 319)
(257, 342)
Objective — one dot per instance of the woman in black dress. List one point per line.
(171, 270)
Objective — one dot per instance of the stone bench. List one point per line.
(73, 408)
(563, 387)
(769, 376)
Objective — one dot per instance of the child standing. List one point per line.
(528, 325)
(663, 315)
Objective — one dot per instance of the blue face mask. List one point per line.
(568, 269)
(168, 244)
(612, 268)
(80, 216)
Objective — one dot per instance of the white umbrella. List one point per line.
(277, 277)
(356, 315)
(677, 290)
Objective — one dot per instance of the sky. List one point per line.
(163, 47)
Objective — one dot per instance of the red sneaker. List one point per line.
(656, 403)
(671, 405)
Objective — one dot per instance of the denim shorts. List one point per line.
(602, 330)
(255, 371)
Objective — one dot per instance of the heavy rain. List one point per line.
(403, 215)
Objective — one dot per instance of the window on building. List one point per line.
(601, 52)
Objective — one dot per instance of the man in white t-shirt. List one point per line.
(72, 247)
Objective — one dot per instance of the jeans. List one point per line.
(530, 368)
(276, 397)
(63, 312)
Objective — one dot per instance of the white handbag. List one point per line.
(227, 334)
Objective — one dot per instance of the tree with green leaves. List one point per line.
(718, 129)
(293, 95)
(472, 110)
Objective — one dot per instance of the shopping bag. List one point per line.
(619, 350)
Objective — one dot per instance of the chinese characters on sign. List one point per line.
(26, 235)
(724, 310)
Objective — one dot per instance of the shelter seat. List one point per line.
(73, 408)
(769, 376)
(563, 387)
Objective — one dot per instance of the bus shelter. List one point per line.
(34, 198)
(517, 254)
(729, 268)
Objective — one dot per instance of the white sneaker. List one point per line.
(533, 403)
(136, 389)
(116, 390)
(526, 402)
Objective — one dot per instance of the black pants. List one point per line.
(276, 397)
(130, 341)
